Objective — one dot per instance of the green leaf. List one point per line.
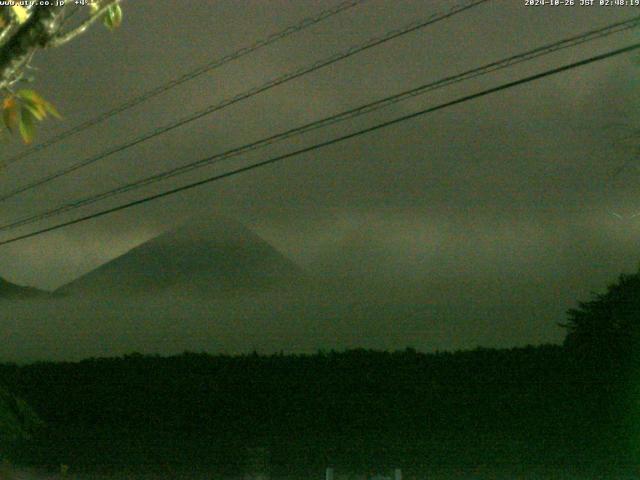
(30, 95)
(51, 109)
(42, 107)
(27, 125)
(10, 113)
(113, 17)
(38, 113)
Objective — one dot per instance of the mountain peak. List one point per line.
(206, 255)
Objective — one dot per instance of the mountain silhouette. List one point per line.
(203, 256)
(12, 291)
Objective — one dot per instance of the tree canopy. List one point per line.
(607, 325)
(26, 29)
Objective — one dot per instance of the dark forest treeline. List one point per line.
(355, 409)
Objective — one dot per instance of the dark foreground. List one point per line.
(535, 412)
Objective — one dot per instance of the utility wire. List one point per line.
(333, 141)
(212, 65)
(249, 93)
(349, 114)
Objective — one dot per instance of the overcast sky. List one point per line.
(508, 194)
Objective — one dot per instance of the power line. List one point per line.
(349, 114)
(190, 75)
(250, 93)
(327, 143)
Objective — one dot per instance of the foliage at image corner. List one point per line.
(22, 109)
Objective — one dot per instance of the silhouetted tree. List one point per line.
(606, 327)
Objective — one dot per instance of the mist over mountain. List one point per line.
(203, 256)
(212, 284)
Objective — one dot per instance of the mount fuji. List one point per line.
(205, 256)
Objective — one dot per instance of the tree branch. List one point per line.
(61, 39)
(35, 33)
(13, 24)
